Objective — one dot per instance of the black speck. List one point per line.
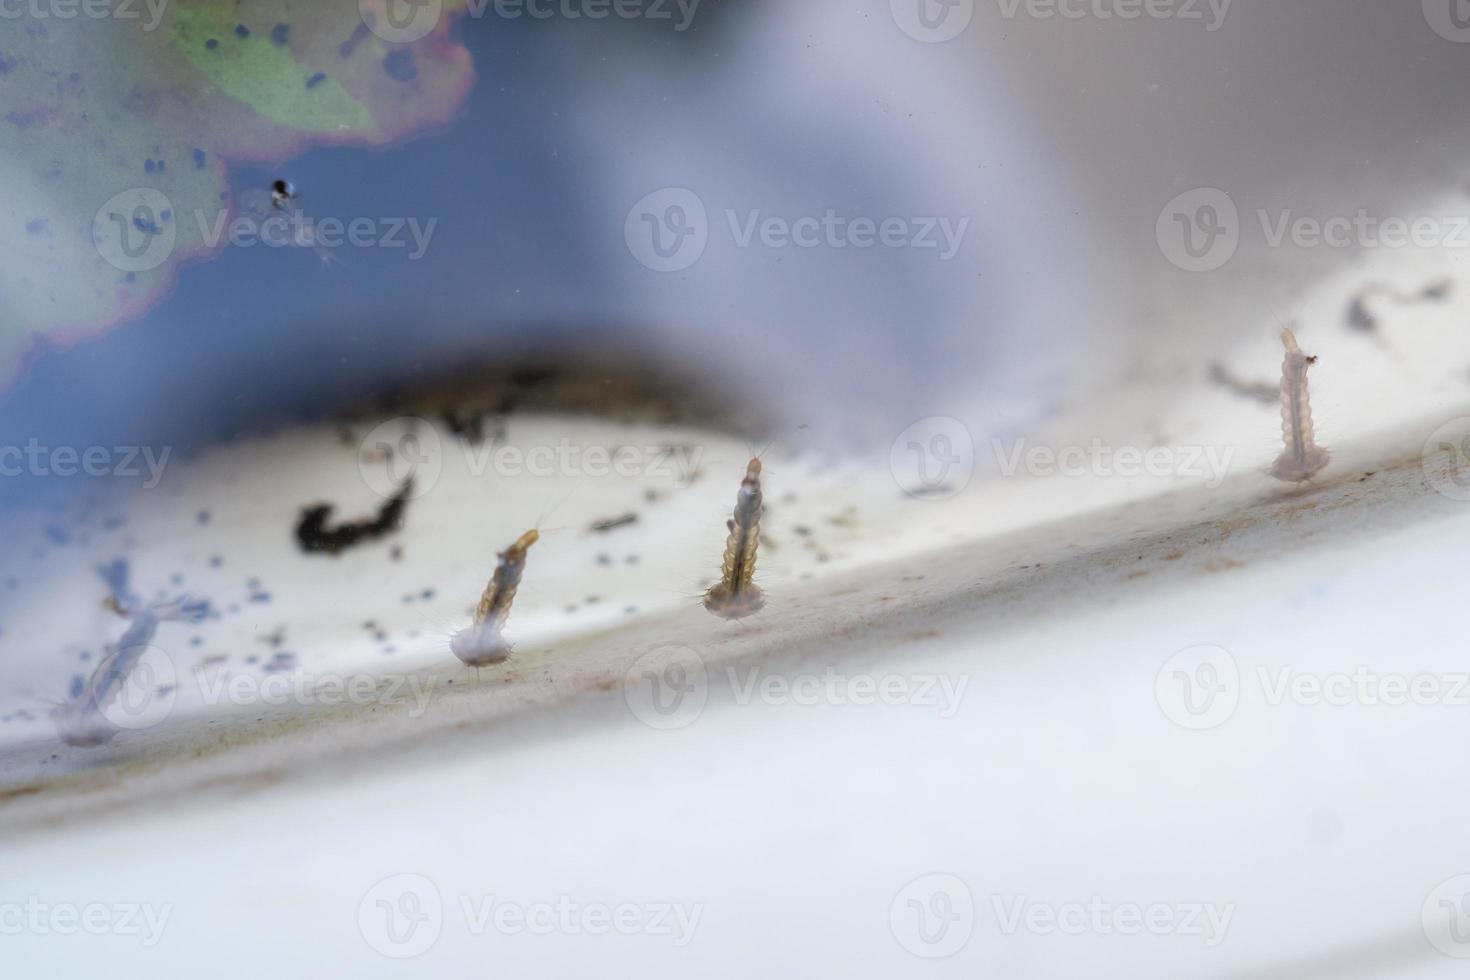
(199, 158)
(279, 33)
(211, 44)
(241, 31)
(399, 65)
(316, 79)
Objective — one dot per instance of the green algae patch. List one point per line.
(116, 135)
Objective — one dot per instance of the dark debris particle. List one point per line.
(200, 159)
(313, 534)
(282, 661)
(609, 523)
(241, 31)
(604, 559)
(203, 517)
(279, 33)
(316, 79)
(215, 561)
(211, 44)
(399, 65)
(426, 594)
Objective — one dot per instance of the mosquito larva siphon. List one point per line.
(482, 643)
(736, 594)
(1302, 458)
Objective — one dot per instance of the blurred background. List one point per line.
(800, 227)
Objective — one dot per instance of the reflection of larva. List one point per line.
(736, 594)
(482, 644)
(1302, 458)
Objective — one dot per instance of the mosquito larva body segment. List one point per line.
(1302, 458)
(736, 594)
(482, 643)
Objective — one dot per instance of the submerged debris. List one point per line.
(1362, 318)
(313, 535)
(1260, 391)
(608, 524)
(736, 594)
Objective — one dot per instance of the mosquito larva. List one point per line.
(736, 594)
(1302, 458)
(82, 720)
(482, 643)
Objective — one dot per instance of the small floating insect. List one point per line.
(483, 643)
(1302, 458)
(736, 595)
(282, 194)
